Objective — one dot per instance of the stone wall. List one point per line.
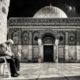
(4, 7)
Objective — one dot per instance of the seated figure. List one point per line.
(6, 47)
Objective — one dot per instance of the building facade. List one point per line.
(35, 39)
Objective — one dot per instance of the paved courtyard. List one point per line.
(48, 71)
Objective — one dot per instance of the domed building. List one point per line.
(50, 12)
(50, 36)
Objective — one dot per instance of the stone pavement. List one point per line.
(48, 71)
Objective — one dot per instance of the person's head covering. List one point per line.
(10, 41)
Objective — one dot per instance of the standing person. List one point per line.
(17, 59)
(10, 57)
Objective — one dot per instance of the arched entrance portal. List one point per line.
(48, 47)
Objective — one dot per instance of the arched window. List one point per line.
(48, 38)
(61, 38)
(25, 38)
(72, 38)
(16, 37)
(35, 37)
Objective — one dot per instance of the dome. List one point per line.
(50, 12)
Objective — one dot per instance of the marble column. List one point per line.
(78, 53)
(66, 48)
(78, 46)
(40, 50)
(55, 52)
(4, 8)
(56, 44)
(30, 46)
(19, 51)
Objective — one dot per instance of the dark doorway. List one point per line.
(48, 53)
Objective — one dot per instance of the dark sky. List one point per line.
(27, 8)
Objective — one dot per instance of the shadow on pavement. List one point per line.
(61, 78)
(51, 78)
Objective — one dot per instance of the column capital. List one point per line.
(56, 42)
(40, 41)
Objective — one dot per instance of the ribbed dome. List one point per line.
(50, 12)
